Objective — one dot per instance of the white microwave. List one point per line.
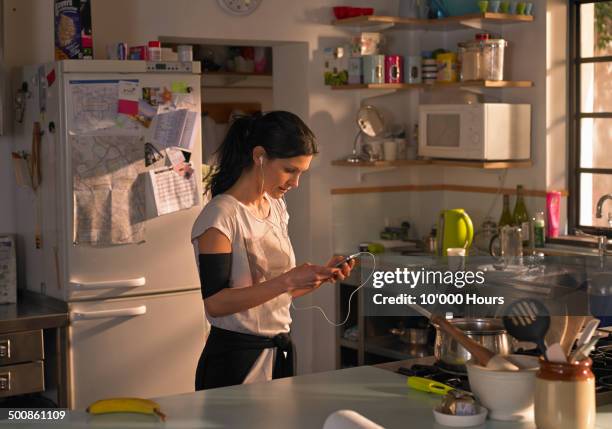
(483, 131)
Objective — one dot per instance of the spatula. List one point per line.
(483, 355)
(574, 326)
(528, 320)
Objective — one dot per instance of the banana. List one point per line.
(126, 405)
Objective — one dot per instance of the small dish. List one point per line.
(461, 421)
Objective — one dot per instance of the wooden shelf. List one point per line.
(440, 187)
(453, 85)
(235, 80)
(487, 165)
(444, 24)
(228, 73)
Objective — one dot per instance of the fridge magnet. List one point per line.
(152, 95)
(183, 169)
(179, 87)
(50, 77)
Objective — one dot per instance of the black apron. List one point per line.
(228, 357)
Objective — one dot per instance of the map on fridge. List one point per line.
(95, 105)
(108, 189)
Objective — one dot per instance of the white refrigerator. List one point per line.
(137, 323)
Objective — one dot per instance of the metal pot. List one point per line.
(414, 336)
(490, 333)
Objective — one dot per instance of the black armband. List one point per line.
(215, 271)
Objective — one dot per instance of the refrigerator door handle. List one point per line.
(106, 314)
(138, 281)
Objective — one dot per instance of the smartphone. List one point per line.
(347, 259)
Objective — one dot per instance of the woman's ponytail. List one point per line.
(234, 155)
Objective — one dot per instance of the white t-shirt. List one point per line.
(261, 250)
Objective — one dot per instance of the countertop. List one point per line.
(298, 402)
(32, 311)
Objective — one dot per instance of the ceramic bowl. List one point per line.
(507, 394)
(460, 421)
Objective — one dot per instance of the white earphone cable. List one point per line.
(348, 313)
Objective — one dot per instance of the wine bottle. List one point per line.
(506, 217)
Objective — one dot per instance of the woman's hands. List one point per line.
(307, 277)
(345, 269)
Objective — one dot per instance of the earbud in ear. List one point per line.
(261, 160)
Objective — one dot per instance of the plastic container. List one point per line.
(565, 395)
(482, 59)
(492, 59)
(185, 53)
(469, 57)
(154, 50)
(447, 67)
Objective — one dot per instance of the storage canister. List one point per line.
(447, 67)
(413, 69)
(492, 59)
(429, 70)
(354, 71)
(565, 395)
(373, 68)
(469, 59)
(394, 69)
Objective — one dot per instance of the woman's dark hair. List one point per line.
(282, 134)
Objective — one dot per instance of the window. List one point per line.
(591, 115)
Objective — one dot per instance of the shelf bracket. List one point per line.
(364, 171)
(476, 24)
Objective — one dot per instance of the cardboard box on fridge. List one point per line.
(73, 36)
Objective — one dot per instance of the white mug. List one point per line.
(456, 258)
(390, 150)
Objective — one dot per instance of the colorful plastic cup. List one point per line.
(520, 8)
(504, 6)
(512, 9)
(483, 6)
(528, 8)
(494, 6)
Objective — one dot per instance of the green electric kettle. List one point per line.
(455, 229)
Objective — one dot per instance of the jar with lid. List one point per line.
(492, 59)
(565, 395)
(469, 54)
(154, 50)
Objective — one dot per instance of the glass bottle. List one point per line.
(520, 217)
(538, 229)
(506, 216)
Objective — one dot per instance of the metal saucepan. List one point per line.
(414, 336)
(489, 333)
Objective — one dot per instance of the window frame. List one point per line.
(575, 115)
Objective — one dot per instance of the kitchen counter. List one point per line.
(33, 311)
(299, 402)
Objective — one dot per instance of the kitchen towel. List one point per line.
(348, 419)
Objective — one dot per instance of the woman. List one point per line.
(246, 261)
